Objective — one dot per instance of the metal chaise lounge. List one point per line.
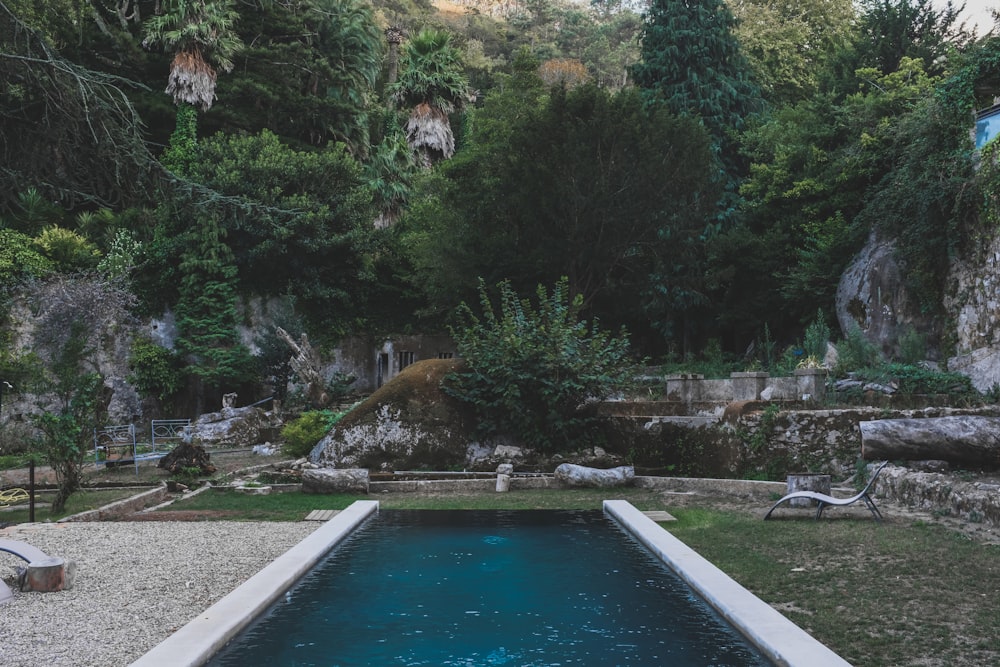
(824, 500)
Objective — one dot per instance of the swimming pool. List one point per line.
(491, 588)
(774, 635)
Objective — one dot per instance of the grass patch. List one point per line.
(13, 461)
(293, 506)
(81, 501)
(878, 595)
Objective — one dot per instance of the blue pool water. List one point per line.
(476, 588)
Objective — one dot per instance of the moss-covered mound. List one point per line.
(408, 424)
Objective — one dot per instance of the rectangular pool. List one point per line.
(490, 588)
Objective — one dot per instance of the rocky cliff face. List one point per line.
(973, 303)
(872, 296)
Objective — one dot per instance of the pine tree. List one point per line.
(691, 62)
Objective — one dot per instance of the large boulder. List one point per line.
(872, 296)
(232, 427)
(570, 474)
(409, 423)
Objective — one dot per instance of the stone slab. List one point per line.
(321, 515)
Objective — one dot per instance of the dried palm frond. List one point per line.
(429, 134)
(191, 80)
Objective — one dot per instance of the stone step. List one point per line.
(659, 516)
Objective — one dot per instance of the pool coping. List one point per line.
(778, 638)
(195, 643)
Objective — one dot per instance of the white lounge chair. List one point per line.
(824, 500)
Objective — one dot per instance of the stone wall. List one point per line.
(754, 440)
(690, 388)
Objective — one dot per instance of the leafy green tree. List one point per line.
(584, 184)
(307, 73)
(201, 37)
(890, 30)
(206, 314)
(69, 132)
(297, 222)
(155, 371)
(72, 315)
(533, 371)
(788, 42)
(432, 85)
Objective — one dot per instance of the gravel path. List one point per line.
(136, 583)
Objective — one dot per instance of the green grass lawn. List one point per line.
(901, 593)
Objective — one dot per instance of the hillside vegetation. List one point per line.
(698, 173)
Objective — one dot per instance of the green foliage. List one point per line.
(855, 353)
(302, 434)
(693, 65)
(891, 30)
(533, 371)
(20, 258)
(788, 43)
(432, 73)
(154, 370)
(583, 184)
(67, 250)
(288, 221)
(308, 73)
(912, 347)
(201, 36)
(913, 380)
(122, 255)
(817, 337)
(181, 153)
(206, 312)
(67, 430)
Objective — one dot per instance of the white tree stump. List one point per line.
(807, 481)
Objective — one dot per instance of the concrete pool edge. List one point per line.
(775, 636)
(195, 643)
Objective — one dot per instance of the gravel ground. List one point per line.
(136, 583)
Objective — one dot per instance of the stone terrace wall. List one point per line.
(756, 440)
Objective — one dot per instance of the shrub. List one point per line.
(302, 434)
(855, 353)
(917, 380)
(533, 372)
(912, 347)
(817, 337)
(67, 250)
(155, 370)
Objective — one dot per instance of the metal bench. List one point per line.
(115, 446)
(165, 434)
(824, 500)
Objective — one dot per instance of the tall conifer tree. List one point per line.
(691, 63)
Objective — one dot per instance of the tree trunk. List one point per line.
(965, 439)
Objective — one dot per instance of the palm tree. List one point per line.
(432, 85)
(394, 35)
(200, 34)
